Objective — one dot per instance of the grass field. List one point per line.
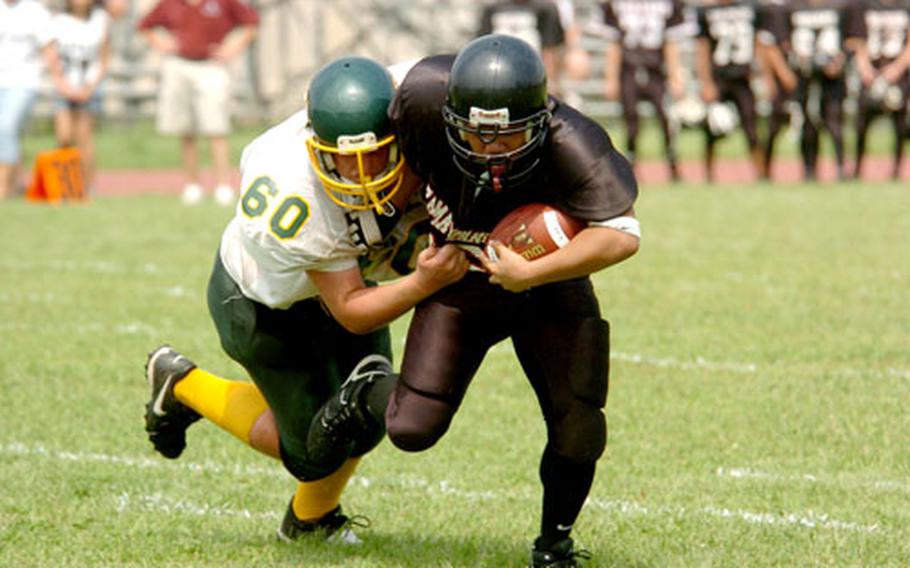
(758, 406)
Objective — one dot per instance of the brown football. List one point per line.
(534, 230)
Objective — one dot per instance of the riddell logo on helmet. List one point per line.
(481, 117)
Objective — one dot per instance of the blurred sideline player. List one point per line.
(725, 51)
(815, 34)
(289, 298)
(573, 63)
(878, 37)
(778, 79)
(537, 22)
(643, 60)
(499, 143)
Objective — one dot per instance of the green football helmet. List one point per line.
(346, 105)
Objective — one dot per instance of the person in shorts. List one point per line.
(195, 90)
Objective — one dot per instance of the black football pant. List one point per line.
(866, 111)
(738, 91)
(778, 118)
(563, 347)
(637, 84)
(821, 101)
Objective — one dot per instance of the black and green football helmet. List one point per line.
(346, 104)
(498, 85)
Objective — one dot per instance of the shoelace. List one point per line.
(579, 554)
(569, 561)
(582, 553)
(372, 375)
(359, 521)
(343, 522)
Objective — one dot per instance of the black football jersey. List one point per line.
(729, 28)
(537, 22)
(643, 27)
(580, 171)
(771, 26)
(815, 32)
(883, 24)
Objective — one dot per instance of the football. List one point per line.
(534, 230)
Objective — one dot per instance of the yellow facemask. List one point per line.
(366, 192)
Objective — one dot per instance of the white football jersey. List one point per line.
(24, 31)
(286, 224)
(79, 43)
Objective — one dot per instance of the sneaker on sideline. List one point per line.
(192, 194)
(224, 195)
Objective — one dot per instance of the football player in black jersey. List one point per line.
(535, 21)
(815, 33)
(642, 60)
(724, 54)
(778, 78)
(877, 35)
(481, 130)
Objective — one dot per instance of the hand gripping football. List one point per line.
(534, 230)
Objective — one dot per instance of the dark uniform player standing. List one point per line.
(815, 31)
(535, 21)
(643, 59)
(877, 35)
(778, 78)
(500, 142)
(724, 55)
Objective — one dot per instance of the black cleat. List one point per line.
(560, 555)
(334, 526)
(166, 418)
(344, 425)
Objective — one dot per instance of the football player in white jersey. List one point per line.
(292, 295)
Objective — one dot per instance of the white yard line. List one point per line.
(19, 449)
(98, 266)
(132, 328)
(164, 504)
(810, 519)
(754, 474)
(698, 363)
